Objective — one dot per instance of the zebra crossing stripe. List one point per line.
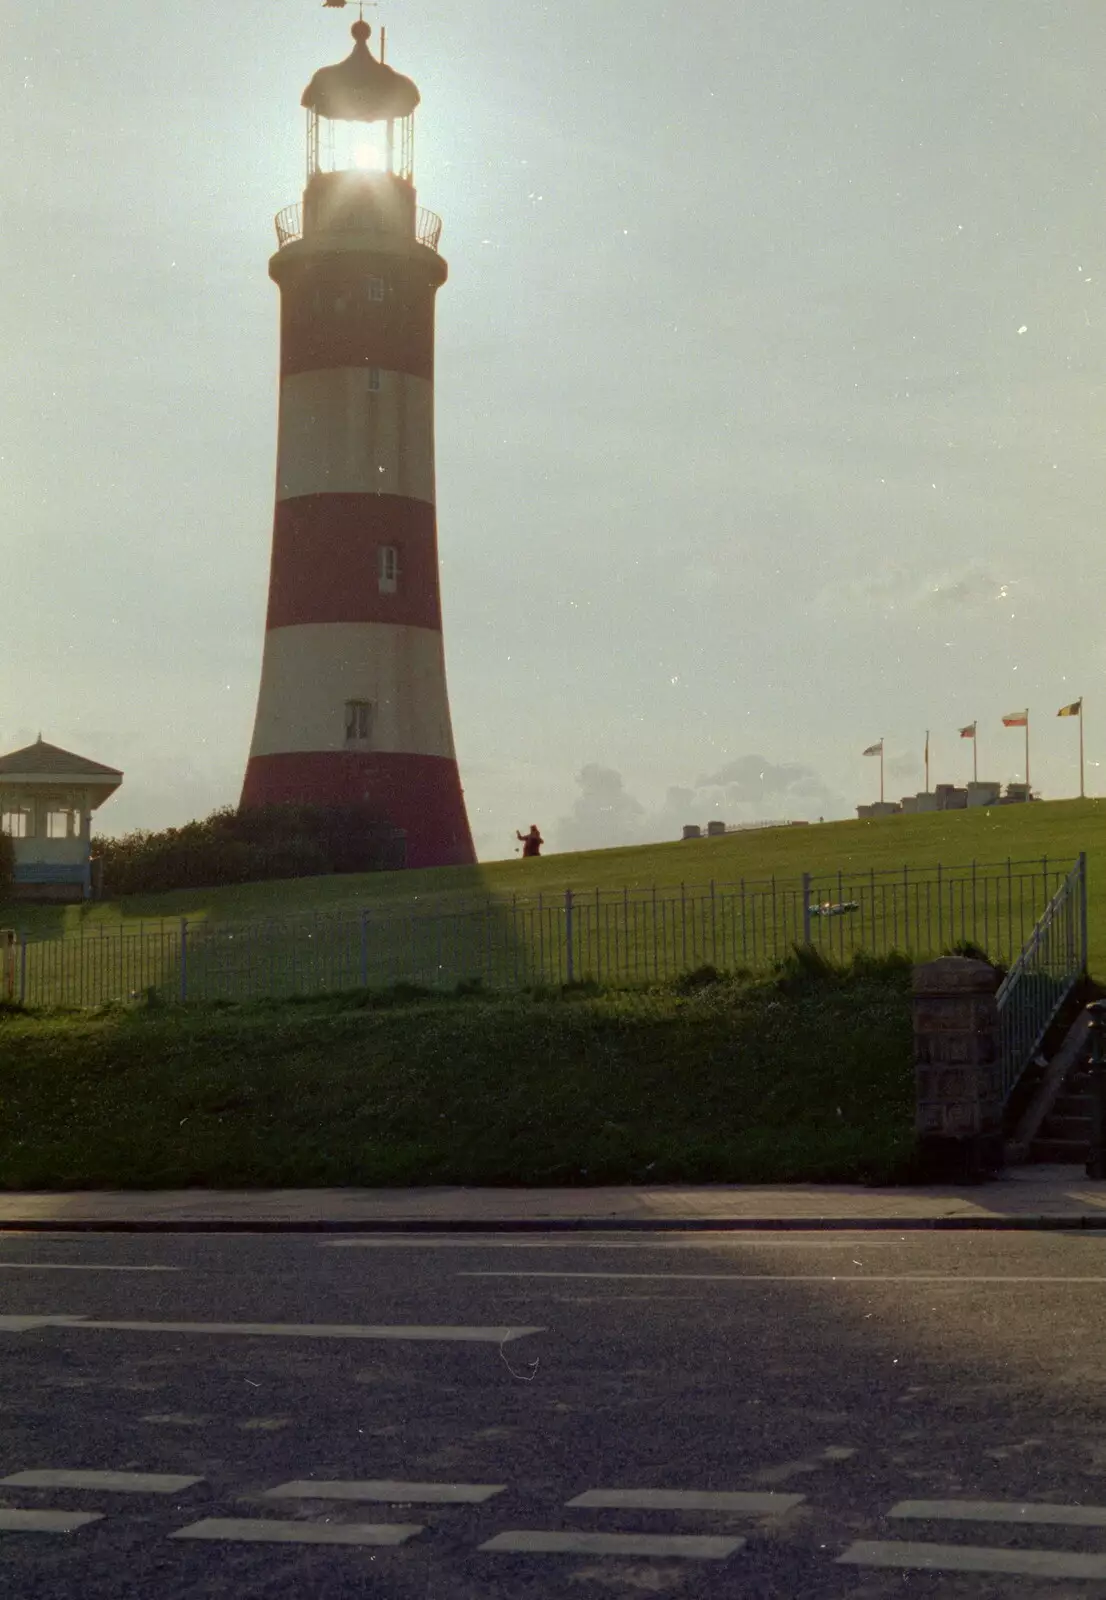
(1001, 1511)
(387, 1492)
(251, 1530)
(972, 1558)
(536, 1541)
(687, 1500)
(106, 1482)
(46, 1521)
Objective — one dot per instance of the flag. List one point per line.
(968, 732)
(875, 749)
(1074, 710)
(1016, 719)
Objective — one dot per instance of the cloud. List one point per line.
(603, 814)
(971, 586)
(897, 767)
(900, 589)
(749, 788)
(753, 780)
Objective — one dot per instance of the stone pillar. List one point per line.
(957, 1069)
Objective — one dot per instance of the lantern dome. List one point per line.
(360, 88)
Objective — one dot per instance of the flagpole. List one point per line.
(881, 771)
(975, 752)
(927, 760)
(1082, 769)
(1027, 752)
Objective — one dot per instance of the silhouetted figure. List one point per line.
(532, 841)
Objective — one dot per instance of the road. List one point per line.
(865, 1415)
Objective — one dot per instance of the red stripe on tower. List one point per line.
(353, 702)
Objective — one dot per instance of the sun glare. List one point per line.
(367, 157)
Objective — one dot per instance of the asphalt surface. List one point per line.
(461, 1392)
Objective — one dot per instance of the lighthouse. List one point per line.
(353, 704)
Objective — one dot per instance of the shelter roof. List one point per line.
(42, 760)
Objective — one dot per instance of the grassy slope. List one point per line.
(1059, 829)
(733, 1082)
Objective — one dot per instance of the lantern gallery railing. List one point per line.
(289, 227)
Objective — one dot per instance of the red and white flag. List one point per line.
(968, 732)
(1016, 719)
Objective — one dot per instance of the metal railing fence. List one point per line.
(1051, 963)
(626, 936)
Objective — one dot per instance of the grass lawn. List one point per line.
(802, 1078)
(1058, 829)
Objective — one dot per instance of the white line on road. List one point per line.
(112, 1482)
(71, 1266)
(279, 1330)
(1001, 1511)
(775, 1277)
(385, 1492)
(46, 1521)
(972, 1558)
(698, 1242)
(687, 1500)
(692, 1547)
(254, 1531)
(11, 1324)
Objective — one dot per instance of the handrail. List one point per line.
(1050, 964)
(289, 227)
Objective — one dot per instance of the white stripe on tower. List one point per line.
(340, 435)
(311, 671)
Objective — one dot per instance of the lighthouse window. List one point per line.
(376, 289)
(389, 569)
(374, 380)
(359, 721)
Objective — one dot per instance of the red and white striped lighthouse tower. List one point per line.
(353, 703)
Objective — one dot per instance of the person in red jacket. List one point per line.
(532, 841)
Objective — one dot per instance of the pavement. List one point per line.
(741, 1415)
(1024, 1197)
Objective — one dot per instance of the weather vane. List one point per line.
(339, 5)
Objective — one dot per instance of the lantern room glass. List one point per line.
(370, 147)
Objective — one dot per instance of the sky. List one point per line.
(770, 410)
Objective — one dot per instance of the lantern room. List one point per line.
(361, 115)
(360, 144)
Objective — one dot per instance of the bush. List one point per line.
(292, 841)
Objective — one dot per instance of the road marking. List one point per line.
(115, 1482)
(699, 1242)
(10, 1324)
(973, 1558)
(692, 1547)
(254, 1531)
(789, 1469)
(1001, 1511)
(279, 1330)
(687, 1500)
(776, 1277)
(46, 1521)
(388, 1492)
(70, 1266)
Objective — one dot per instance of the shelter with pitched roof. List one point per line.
(47, 797)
